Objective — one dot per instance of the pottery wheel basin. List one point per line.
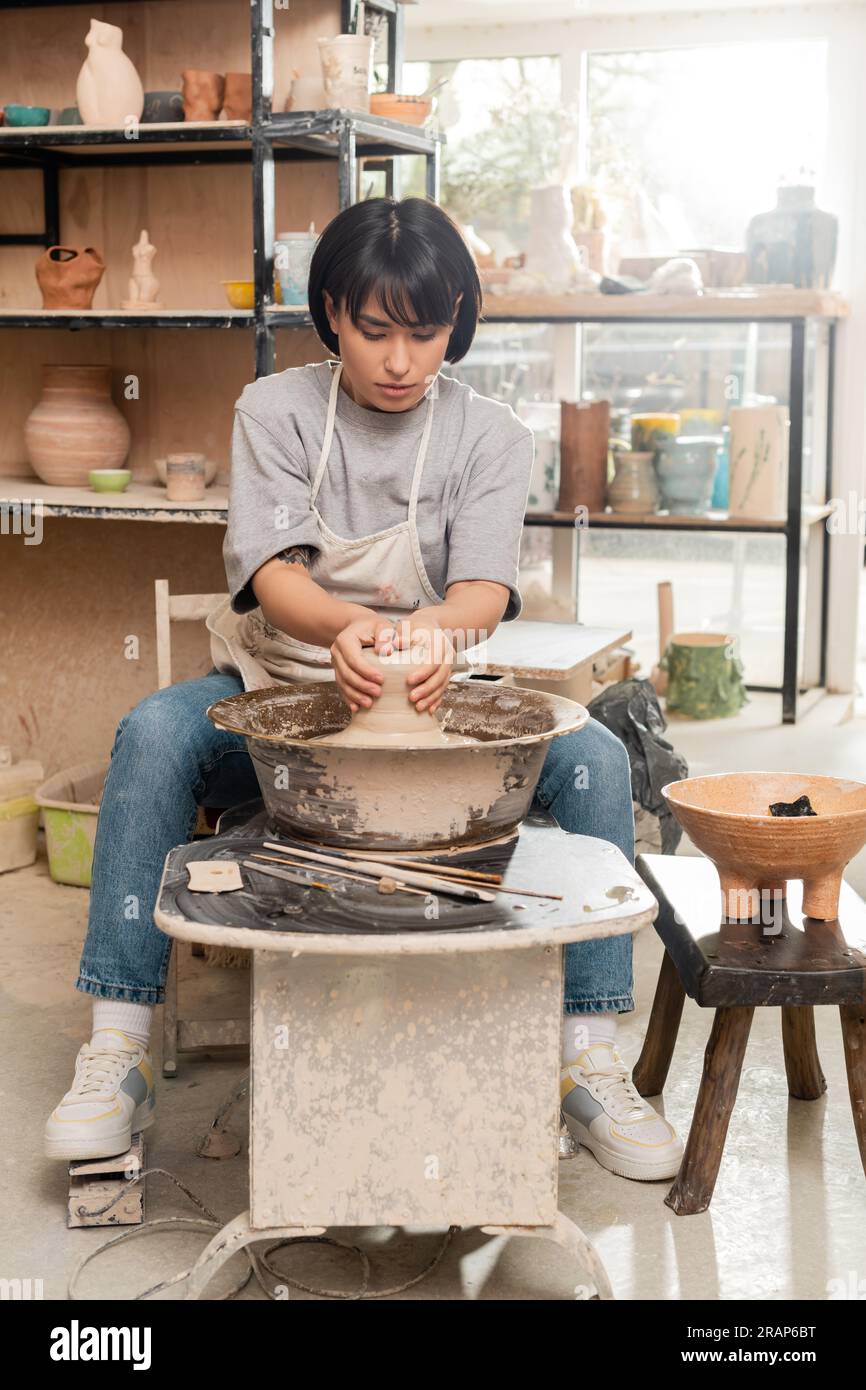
(727, 817)
(398, 798)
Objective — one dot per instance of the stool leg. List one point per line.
(723, 1060)
(854, 1039)
(651, 1069)
(802, 1064)
(169, 1015)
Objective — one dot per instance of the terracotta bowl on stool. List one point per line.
(727, 817)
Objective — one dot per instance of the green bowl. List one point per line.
(27, 115)
(109, 479)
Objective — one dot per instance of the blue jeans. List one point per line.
(168, 758)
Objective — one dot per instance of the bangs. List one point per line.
(409, 290)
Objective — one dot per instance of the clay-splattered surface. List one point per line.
(601, 896)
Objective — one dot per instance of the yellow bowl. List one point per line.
(409, 110)
(240, 293)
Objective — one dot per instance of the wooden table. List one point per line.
(787, 961)
(406, 1050)
(556, 657)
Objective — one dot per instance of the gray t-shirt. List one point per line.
(473, 489)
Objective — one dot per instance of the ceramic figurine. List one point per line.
(143, 284)
(553, 258)
(109, 90)
(68, 276)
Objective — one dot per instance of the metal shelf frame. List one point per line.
(270, 138)
(792, 528)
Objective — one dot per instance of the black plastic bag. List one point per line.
(631, 710)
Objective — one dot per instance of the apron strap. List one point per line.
(329, 434)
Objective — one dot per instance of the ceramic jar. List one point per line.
(794, 243)
(293, 253)
(238, 97)
(653, 432)
(583, 442)
(347, 70)
(203, 94)
(685, 469)
(108, 90)
(185, 477)
(68, 276)
(634, 490)
(75, 427)
(759, 462)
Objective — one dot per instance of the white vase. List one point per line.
(109, 90)
(759, 462)
(551, 251)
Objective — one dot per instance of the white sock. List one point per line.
(132, 1019)
(582, 1030)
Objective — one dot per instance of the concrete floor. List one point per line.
(789, 1211)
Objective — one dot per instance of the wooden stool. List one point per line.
(788, 962)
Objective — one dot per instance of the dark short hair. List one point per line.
(406, 252)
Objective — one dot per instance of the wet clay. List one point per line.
(393, 721)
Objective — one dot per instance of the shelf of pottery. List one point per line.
(115, 159)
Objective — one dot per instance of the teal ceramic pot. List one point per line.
(794, 243)
(162, 106)
(27, 115)
(685, 469)
(70, 115)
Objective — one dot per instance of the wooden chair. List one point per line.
(180, 1034)
(787, 962)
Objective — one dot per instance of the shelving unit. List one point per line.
(339, 135)
(765, 304)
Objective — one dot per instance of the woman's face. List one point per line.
(386, 366)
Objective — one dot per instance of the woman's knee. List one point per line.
(590, 757)
(173, 720)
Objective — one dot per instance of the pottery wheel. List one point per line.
(352, 908)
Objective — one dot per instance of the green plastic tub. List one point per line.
(70, 807)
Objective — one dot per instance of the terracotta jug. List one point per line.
(68, 276)
(108, 90)
(203, 94)
(238, 98)
(75, 426)
(583, 439)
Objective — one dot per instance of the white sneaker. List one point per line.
(110, 1100)
(602, 1109)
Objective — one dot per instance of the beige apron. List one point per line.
(384, 571)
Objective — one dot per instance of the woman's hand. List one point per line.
(358, 682)
(424, 635)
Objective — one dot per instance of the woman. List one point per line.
(375, 503)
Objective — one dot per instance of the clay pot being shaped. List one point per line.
(238, 97)
(108, 90)
(68, 276)
(75, 427)
(392, 721)
(727, 817)
(203, 94)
